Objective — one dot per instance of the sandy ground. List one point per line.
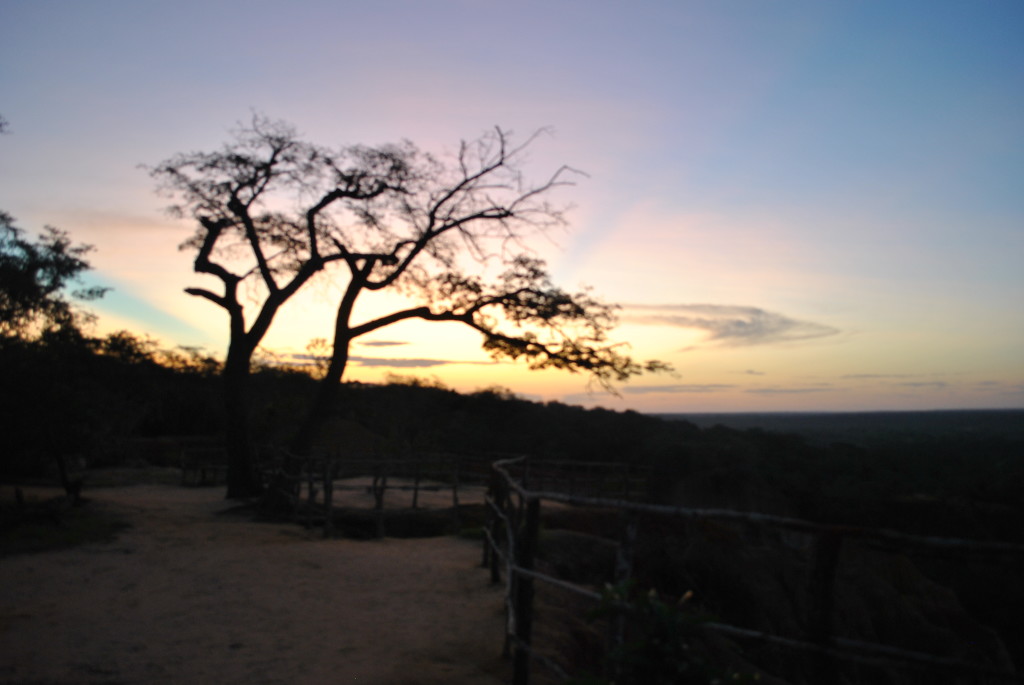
(193, 595)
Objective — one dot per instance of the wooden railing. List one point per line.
(309, 484)
(518, 488)
(203, 465)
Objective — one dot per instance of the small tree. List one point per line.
(475, 212)
(264, 205)
(273, 211)
(42, 344)
(34, 281)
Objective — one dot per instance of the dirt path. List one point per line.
(191, 595)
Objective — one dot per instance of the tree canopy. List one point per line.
(452, 234)
(34, 281)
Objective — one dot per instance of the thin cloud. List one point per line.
(677, 388)
(788, 391)
(874, 376)
(308, 359)
(382, 343)
(400, 363)
(731, 325)
(412, 363)
(933, 385)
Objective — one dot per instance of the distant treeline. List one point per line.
(874, 428)
(72, 395)
(77, 397)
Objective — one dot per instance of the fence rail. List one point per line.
(308, 484)
(514, 506)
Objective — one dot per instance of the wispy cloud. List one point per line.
(400, 363)
(306, 359)
(730, 325)
(789, 391)
(383, 343)
(412, 363)
(927, 385)
(676, 388)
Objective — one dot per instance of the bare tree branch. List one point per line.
(273, 211)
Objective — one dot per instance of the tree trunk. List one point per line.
(326, 396)
(327, 391)
(242, 480)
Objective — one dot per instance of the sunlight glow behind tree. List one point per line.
(273, 211)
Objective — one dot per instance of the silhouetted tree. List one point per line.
(39, 320)
(471, 213)
(266, 206)
(34, 281)
(273, 211)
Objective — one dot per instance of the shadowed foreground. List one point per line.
(192, 595)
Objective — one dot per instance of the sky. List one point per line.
(802, 206)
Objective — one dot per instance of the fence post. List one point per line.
(310, 492)
(822, 588)
(455, 482)
(329, 471)
(416, 484)
(380, 484)
(624, 557)
(513, 513)
(525, 552)
(498, 498)
(455, 494)
(488, 522)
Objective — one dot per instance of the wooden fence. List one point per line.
(203, 465)
(518, 487)
(308, 484)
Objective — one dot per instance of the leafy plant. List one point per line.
(661, 646)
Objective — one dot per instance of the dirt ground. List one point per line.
(192, 594)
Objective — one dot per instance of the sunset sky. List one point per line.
(800, 205)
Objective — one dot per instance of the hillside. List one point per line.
(948, 475)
